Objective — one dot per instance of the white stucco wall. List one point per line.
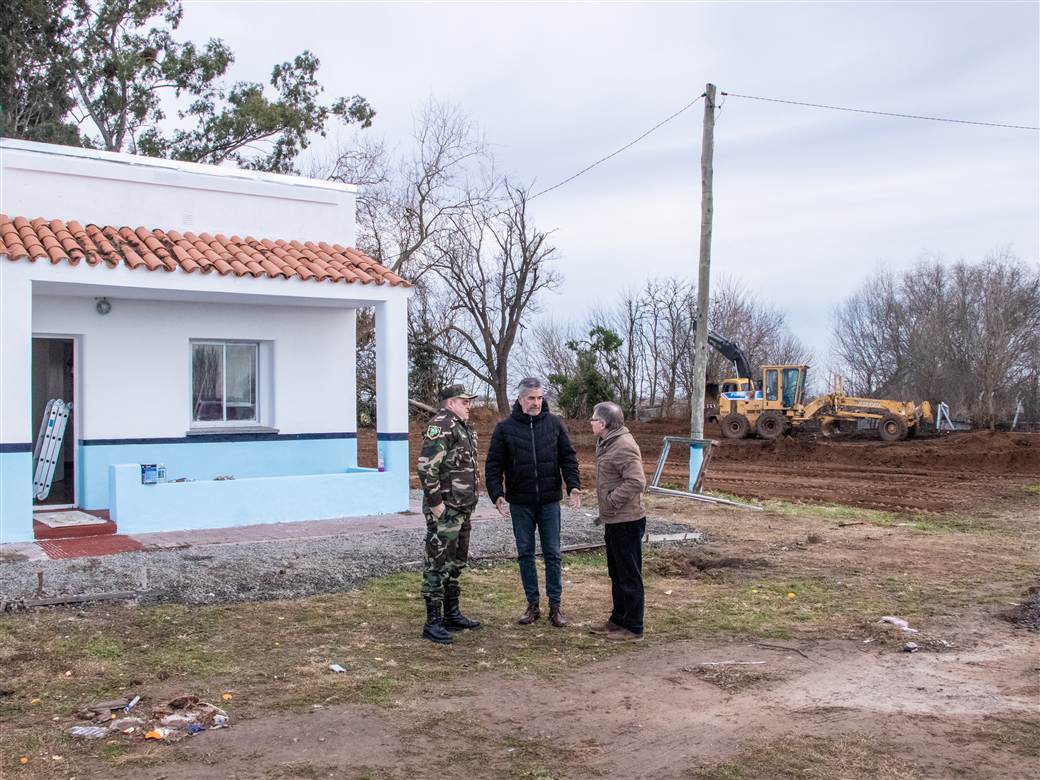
(60, 182)
(134, 364)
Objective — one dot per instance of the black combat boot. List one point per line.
(453, 619)
(434, 629)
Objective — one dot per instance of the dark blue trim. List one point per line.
(391, 437)
(220, 437)
(27, 447)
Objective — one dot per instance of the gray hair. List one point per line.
(610, 413)
(528, 383)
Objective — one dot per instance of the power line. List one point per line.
(588, 168)
(881, 113)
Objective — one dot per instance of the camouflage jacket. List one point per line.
(448, 462)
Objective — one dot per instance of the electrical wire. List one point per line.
(881, 113)
(615, 153)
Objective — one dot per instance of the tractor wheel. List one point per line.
(831, 428)
(735, 426)
(892, 428)
(771, 425)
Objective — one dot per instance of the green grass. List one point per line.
(762, 609)
(840, 513)
(812, 758)
(1017, 735)
(835, 512)
(100, 647)
(731, 497)
(274, 656)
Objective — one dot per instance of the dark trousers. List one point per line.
(625, 565)
(546, 519)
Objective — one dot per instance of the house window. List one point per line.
(224, 382)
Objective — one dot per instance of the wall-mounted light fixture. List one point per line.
(103, 306)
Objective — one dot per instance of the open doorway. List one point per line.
(52, 377)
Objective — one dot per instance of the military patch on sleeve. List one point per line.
(433, 432)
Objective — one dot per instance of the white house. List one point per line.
(198, 317)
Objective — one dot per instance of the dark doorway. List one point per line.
(52, 377)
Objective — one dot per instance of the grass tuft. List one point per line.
(812, 758)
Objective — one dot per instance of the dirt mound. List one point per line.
(981, 451)
(924, 475)
(1026, 614)
(690, 563)
(484, 417)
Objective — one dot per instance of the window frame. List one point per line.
(771, 393)
(194, 424)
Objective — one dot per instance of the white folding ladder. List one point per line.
(48, 446)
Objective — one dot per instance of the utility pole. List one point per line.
(700, 348)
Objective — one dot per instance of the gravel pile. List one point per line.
(282, 569)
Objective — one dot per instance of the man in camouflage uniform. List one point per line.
(448, 478)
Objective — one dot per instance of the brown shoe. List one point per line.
(623, 635)
(532, 614)
(556, 617)
(603, 628)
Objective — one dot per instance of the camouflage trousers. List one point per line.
(447, 550)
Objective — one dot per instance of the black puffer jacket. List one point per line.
(530, 452)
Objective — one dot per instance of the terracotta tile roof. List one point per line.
(159, 250)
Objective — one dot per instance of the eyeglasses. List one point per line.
(595, 419)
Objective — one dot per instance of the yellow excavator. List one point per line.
(778, 406)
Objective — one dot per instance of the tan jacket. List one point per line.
(620, 480)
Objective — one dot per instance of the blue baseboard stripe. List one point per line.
(208, 438)
(16, 447)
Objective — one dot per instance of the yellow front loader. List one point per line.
(778, 407)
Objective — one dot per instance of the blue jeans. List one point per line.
(546, 518)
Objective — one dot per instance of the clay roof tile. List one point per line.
(70, 242)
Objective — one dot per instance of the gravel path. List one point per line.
(281, 569)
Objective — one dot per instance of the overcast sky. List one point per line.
(808, 202)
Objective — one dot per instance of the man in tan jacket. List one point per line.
(620, 483)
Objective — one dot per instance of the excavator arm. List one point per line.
(731, 352)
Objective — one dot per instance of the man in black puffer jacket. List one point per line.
(531, 448)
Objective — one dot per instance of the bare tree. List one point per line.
(493, 265)
(1009, 332)
(758, 328)
(967, 334)
(627, 320)
(406, 205)
(546, 352)
(431, 368)
(403, 206)
(656, 326)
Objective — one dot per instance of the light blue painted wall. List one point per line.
(138, 508)
(205, 460)
(16, 497)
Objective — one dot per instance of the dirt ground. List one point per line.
(836, 699)
(765, 655)
(926, 475)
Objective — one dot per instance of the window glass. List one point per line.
(223, 382)
(790, 386)
(772, 384)
(241, 382)
(207, 382)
